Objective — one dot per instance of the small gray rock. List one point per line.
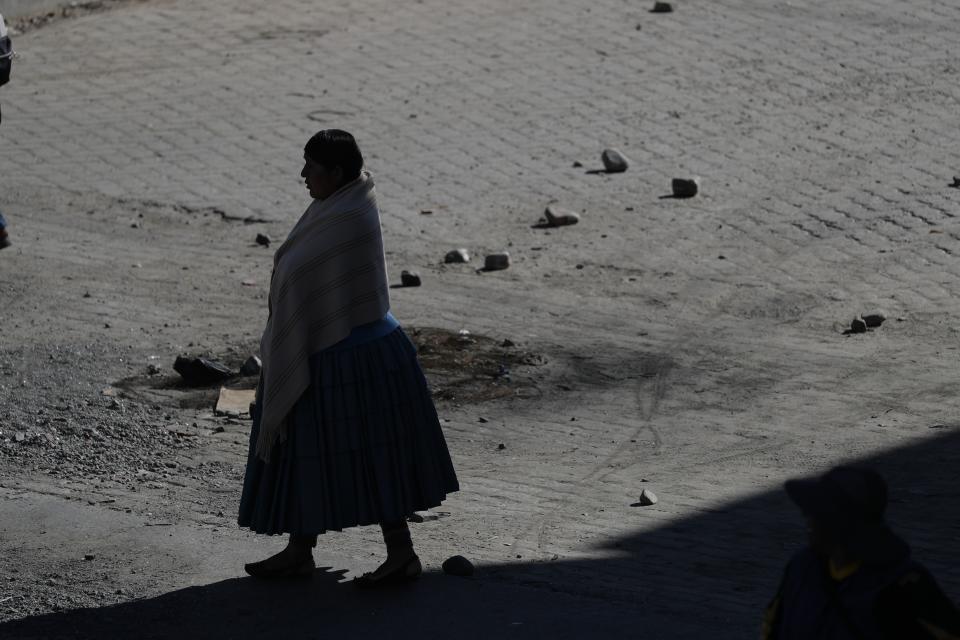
(685, 187)
(410, 279)
(661, 7)
(501, 447)
(199, 372)
(458, 566)
(647, 498)
(152, 369)
(497, 261)
(557, 217)
(251, 367)
(457, 256)
(858, 326)
(874, 318)
(263, 239)
(421, 517)
(19, 436)
(614, 161)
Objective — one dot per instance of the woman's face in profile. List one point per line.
(320, 180)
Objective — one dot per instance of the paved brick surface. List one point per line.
(700, 339)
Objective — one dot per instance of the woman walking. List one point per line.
(345, 432)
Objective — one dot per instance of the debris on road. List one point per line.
(858, 326)
(263, 240)
(458, 566)
(457, 256)
(614, 161)
(496, 261)
(410, 278)
(234, 402)
(251, 367)
(422, 516)
(647, 498)
(685, 187)
(557, 217)
(874, 319)
(200, 372)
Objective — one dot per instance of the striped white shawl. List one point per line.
(328, 277)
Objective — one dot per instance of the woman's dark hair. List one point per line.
(336, 148)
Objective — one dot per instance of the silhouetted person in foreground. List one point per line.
(856, 579)
(345, 432)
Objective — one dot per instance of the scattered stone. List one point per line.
(116, 405)
(647, 498)
(421, 517)
(956, 182)
(457, 256)
(858, 326)
(234, 402)
(458, 566)
(19, 436)
(662, 7)
(426, 212)
(497, 261)
(264, 240)
(108, 391)
(482, 420)
(508, 343)
(685, 187)
(410, 279)
(577, 164)
(152, 369)
(251, 367)
(614, 161)
(89, 556)
(874, 319)
(560, 217)
(200, 372)
(248, 283)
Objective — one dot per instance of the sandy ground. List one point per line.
(691, 347)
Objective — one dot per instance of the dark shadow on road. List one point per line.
(708, 575)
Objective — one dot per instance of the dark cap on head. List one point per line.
(336, 148)
(843, 494)
(849, 504)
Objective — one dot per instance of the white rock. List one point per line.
(557, 217)
(457, 256)
(614, 161)
(497, 261)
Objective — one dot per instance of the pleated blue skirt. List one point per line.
(363, 446)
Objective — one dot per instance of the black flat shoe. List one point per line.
(407, 572)
(300, 569)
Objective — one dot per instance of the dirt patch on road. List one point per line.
(32, 22)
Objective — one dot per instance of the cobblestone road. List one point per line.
(699, 340)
